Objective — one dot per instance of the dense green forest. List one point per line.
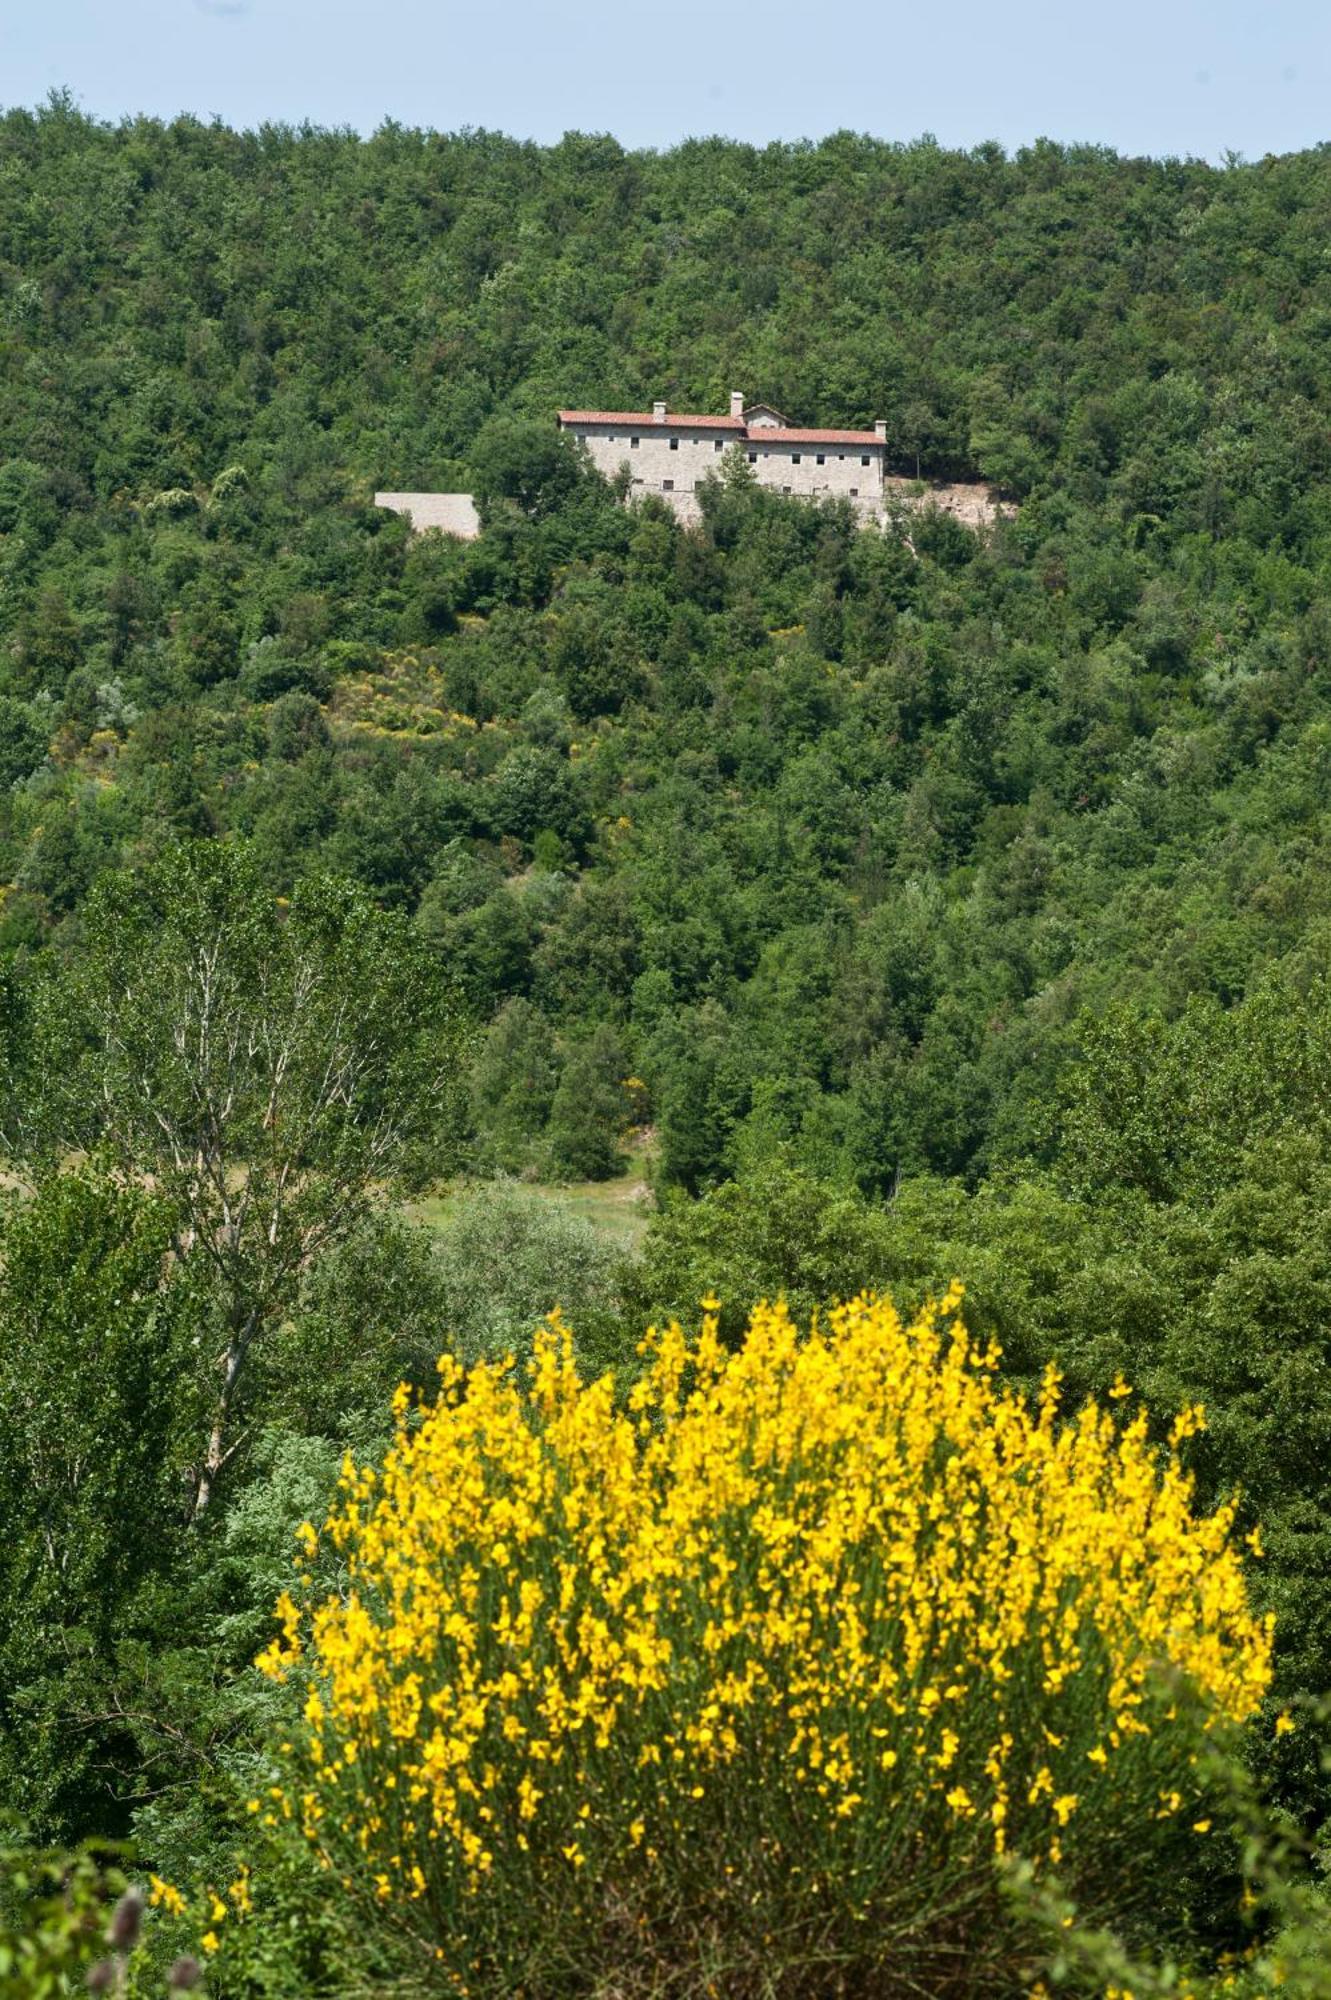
(915, 904)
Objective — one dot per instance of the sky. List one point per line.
(1199, 77)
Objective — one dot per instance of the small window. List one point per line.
(841, 457)
(822, 459)
(795, 457)
(864, 461)
(611, 438)
(667, 485)
(633, 444)
(785, 489)
(674, 444)
(718, 444)
(753, 458)
(854, 492)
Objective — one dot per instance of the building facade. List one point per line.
(669, 455)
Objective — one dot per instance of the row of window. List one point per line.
(719, 444)
(797, 457)
(668, 486)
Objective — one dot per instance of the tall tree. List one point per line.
(99, 1394)
(273, 1070)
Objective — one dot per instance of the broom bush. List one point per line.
(760, 1674)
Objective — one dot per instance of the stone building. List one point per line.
(668, 455)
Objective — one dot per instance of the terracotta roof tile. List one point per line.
(768, 434)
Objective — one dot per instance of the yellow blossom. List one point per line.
(843, 1578)
(164, 1896)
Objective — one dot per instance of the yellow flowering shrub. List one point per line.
(761, 1667)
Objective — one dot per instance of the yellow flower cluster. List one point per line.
(841, 1596)
(165, 1896)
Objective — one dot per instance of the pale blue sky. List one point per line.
(1158, 76)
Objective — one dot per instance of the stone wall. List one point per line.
(671, 462)
(818, 471)
(453, 513)
(665, 462)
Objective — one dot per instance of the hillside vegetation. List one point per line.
(920, 904)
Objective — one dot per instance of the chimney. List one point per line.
(880, 431)
(658, 413)
(736, 403)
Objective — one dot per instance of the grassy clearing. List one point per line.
(619, 1210)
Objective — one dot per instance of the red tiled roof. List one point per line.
(644, 420)
(769, 434)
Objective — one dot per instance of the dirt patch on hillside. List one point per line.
(973, 505)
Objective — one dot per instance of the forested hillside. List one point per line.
(919, 904)
(832, 839)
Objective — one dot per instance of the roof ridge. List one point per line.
(648, 417)
(751, 433)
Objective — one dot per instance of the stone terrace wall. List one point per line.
(454, 513)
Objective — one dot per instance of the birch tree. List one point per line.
(272, 1070)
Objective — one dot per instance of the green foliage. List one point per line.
(1283, 1911)
(775, 1234)
(101, 1403)
(22, 741)
(513, 1085)
(890, 809)
(368, 1312)
(505, 1257)
(1224, 1300)
(528, 463)
(54, 1910)
(272, 1070)
(957, 902)
(590, 1110)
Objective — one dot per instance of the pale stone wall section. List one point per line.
(819, 471)
(454, 513)
(651, 462)
(671, 463)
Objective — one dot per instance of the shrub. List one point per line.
(754, 1676)
(504, 1255)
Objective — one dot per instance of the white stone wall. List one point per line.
(796, 468)
(670, 463)
(660, 455)
(454, 513)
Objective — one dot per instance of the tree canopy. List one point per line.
(912, 904)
